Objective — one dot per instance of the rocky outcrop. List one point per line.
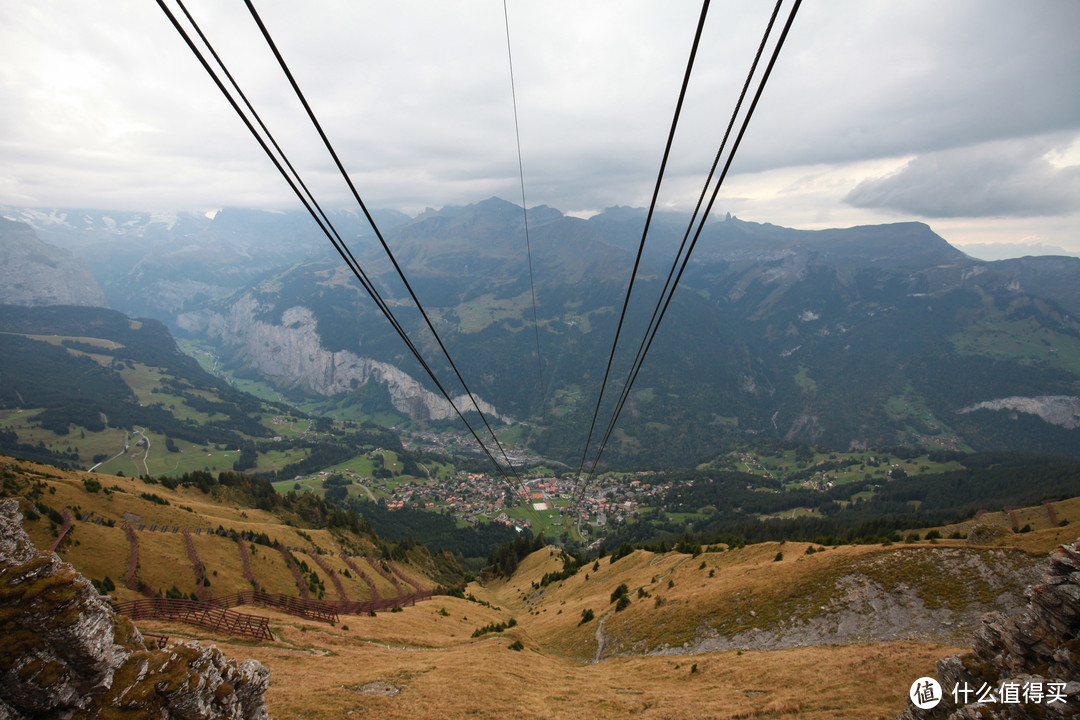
(1063, 410)
(885, 597)
(1022, 665)
(65, 653)
(35, 273)
(291, 355)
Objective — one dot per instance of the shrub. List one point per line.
(494, 628)
(154, 498)
(622, 551)
(779, 557)
(517, 646)
(688, 548)
(624, 602)
(619, 592)
(586, 616)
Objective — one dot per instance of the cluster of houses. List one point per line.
(479, 497)
(753, 465)
(609, 499)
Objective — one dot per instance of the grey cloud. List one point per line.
(1009, 178)
(416, 95)
(915, 77)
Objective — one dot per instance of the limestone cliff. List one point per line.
(1022, 665)
(1063, 410)
(291, 355)
(35, 273)
(65, 653)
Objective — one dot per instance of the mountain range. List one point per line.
(859, 337)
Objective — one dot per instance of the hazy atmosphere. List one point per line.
(959, 114)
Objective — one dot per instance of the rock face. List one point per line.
(1022, 665)
(291, 355)
(34, 273)
(1063, 410)
(64, 652)
(887, 597)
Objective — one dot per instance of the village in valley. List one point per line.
(566, 508)
(558, 505)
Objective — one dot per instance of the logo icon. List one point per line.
(925, 693)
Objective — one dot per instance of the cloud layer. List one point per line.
(104, 106)
(1006, 178)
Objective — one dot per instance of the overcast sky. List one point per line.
(962, 114)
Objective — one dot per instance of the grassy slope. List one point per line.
(146, 382)
(97, 550)
(427, 652)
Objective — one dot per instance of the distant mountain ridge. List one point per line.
(847, 337)
(1010, 251)
(158, 264)
(855, 337)
(33, 272)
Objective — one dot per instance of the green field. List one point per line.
(204, 355)
(1025, 340)
(806, 383)
(482, 311)
(781, 465)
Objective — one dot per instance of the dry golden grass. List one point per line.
(100, 551)
(320, 672)
(1043, 537)
(383, 585)
(680, 596)
(427, 653)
